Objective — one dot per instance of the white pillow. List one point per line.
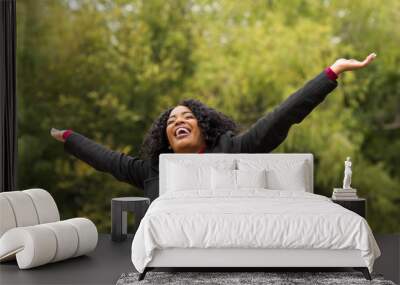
(292, 175)
(223, 179)
(251, 178)
(231, 180)
(291, 180)
(189, 175)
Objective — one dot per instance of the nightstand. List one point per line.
(357, 205)
(119, 208)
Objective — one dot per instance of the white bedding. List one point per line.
(252, 218)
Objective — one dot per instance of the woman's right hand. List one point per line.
(57, 134)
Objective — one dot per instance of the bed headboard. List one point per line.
(165, 158)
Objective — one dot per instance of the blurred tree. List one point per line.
(108, 68)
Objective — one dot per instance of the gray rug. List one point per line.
(230, 278)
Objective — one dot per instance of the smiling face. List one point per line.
(183, 132)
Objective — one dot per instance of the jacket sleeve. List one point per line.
(123, 167)
(271, 130)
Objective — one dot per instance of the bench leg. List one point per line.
(364, 271)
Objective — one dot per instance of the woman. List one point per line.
(192, 127)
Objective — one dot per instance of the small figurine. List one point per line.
(347, 174)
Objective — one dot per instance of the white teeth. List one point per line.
(181, 131)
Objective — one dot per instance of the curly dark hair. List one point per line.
(212, 124)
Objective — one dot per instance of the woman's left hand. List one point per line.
(343, 64)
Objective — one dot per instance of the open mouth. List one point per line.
(182, 132)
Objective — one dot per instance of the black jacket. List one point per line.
(262, 137)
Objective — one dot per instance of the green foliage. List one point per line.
(108, 68)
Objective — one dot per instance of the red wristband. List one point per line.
(66, 134)
(330, 73)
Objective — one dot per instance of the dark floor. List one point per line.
(111, 259)
(102, 266)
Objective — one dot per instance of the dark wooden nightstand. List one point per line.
(357, 205)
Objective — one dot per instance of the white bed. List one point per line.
(201, 219)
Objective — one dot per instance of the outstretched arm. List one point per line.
(123, 167)
(271, 130)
